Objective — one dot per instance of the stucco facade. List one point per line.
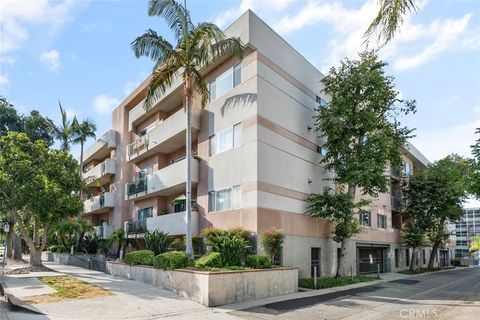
(256, 157)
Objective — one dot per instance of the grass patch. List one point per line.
(424, 270)
(68, 288)
(330, 282)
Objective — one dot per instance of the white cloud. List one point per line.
(51, 59)
(17, 15)
(104, 104)
(447, 34)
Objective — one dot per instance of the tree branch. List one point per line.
(23, 231)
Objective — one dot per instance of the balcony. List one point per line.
(171, 223)
(166, 137)
(396, 203)
(172, 98)
(104, 231)
(102, 147)
(100, 174)
(99, 204)
(395, 174)
(167, 181)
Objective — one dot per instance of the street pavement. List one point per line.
(453, 295)
(443, 295)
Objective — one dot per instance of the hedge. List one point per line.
(144, 257)
(171, 260)
(210, 260)
(256, 261)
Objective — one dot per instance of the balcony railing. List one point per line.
(138, 145)
(395, 173)
(137, 186)
(396, 203)
(137, 226)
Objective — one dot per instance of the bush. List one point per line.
(157, 241)
(329, 282)
(272, 241)
(231, 246)
(144, 257)
(178, 244)
(55, 248)
(171, 260)
(256, 261)
(210, 260)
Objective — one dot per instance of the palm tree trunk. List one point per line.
(188, 195)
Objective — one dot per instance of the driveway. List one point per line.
(443, 295)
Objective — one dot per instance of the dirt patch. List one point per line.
(68, 288)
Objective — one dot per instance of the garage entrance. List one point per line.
(369, 257)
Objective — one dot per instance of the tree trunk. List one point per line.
(17, 247)
(342, 266)
(9, 242)
(414, 261)
(188, 191)
(431, 260)
(35, 256)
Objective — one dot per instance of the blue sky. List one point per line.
(78, 52)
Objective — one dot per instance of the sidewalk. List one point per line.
(130, 300)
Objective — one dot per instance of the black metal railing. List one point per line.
(137, 186)
(396, 203)
(137, 226)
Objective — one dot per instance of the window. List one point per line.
(407, 253)
(397, 259)
(381, 221)
(407, 168)
(225, 82)
(225, 199)
(145, 213)
(366, 219)
(226, 139)
(322, 151)
(424, 254)
(321, 103)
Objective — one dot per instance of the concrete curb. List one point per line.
(313, 293)
(15, 303)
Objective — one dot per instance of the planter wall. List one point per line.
(214, 288)
(96, 262)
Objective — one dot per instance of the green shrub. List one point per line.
(157, 241)
(329, 282)
(272, 241)
(171, 260)
(177, 244)
(256, 261)
(232, 248)
(144, 257)
(210, 260)
(55, 248)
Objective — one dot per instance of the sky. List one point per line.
(78, 52)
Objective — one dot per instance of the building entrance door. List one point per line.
(369, 258)
(315, 260)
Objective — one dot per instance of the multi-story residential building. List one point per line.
(256, 160)
(465, 231)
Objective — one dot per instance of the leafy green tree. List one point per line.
(197, 47)
(83, 131)
(66, 131)
(38, 127)
(38, 187)
(414, 237)
(390, 18)
(272, 241)
(473, 182)
(363, 136)
(10, 120)
(435, 196)
(475, 245)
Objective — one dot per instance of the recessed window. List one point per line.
(407, 168)
(225, 82)
(321, 103)
(145, 213)
(226, 139)
(225, 199)
(366, 219)
(381, 221)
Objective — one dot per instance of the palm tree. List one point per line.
(196, 48)
(83, 131)
(66, 131)
(390, 17)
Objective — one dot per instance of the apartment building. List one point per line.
(256, 160)
(465, 231)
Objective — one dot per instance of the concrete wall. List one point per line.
(214, 288)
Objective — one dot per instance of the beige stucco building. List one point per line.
(256, 160)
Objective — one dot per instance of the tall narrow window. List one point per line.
(225, 82)
(237, 75)
(213, 90)
(226, 139)
(225, 199)
(407, 253)
(397, 259)
(366, 219)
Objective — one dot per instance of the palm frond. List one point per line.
(390, 18)
(176, 16)
(162, 79)
(226, 47)
(200, 86)
(151, 45)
